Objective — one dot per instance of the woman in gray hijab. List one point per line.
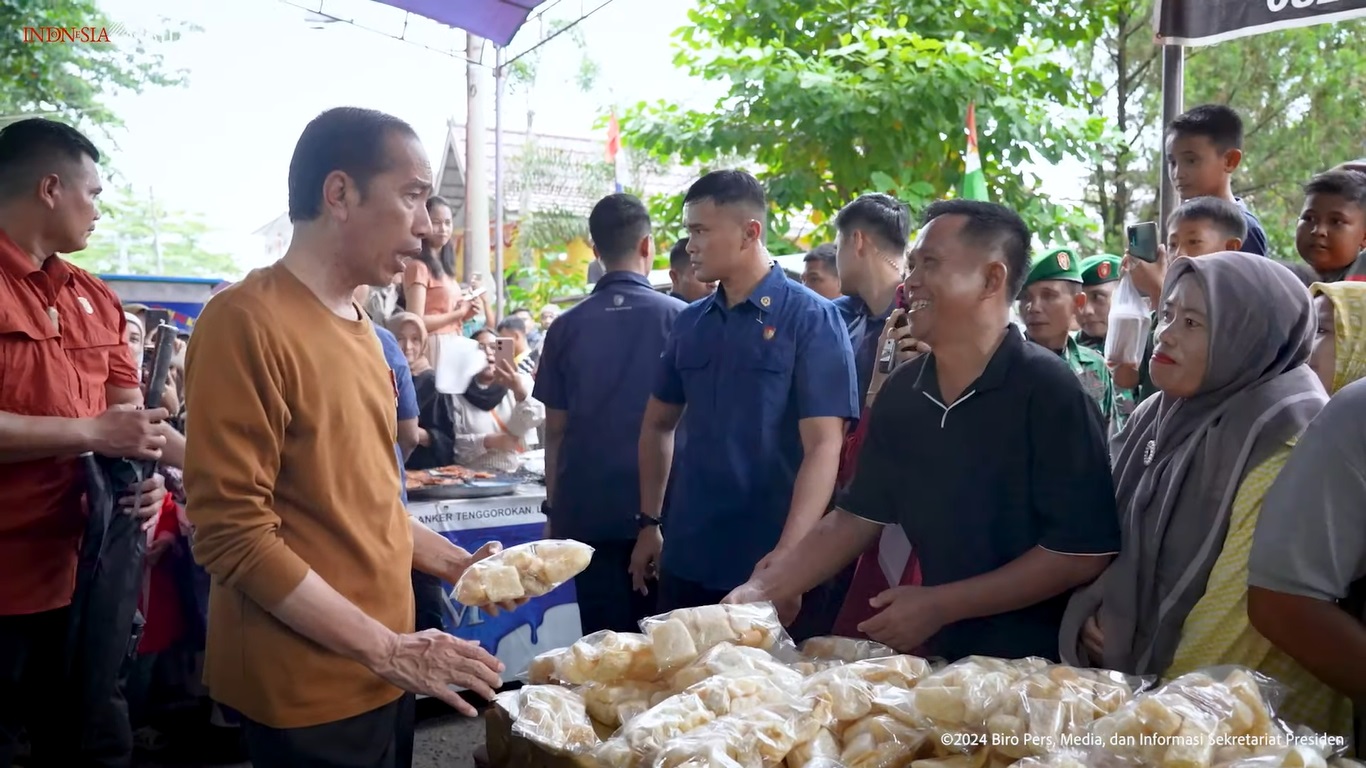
(1192, 465)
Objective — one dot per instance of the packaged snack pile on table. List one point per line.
(526, 570)
(722, 686)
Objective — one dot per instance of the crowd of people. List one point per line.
(1198, 507)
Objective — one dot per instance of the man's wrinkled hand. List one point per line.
(431, 662)
(907, 617)
(125, 432)
(144, 501)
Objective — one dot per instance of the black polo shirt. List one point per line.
(1018, 461)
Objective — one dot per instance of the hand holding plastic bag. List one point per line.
(523, 571)
(1130, 325)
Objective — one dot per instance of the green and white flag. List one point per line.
(974, 181)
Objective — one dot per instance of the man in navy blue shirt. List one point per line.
(870, 248)
(686, 287)
(766, 372)
(597, 367)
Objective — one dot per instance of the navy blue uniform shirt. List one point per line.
(865, 328)
(746, 374)
(403, 387)
(598, 364)
(1255, 242)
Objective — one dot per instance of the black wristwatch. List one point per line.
(645, 521)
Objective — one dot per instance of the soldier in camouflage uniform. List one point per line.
(1050, 303)
(1099, 278)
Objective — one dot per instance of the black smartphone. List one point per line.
(1143, 241)
(901, 304)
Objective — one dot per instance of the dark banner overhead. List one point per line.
(1205, 22)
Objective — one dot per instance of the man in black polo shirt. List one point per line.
(597, 369)
(987, 452)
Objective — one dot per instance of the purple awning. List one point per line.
(494, 20)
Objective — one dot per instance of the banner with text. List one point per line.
(544, 623)
(1206, 22)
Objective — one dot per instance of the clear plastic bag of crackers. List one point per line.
(526, 570)
(730, 660)
(602, 657)
(551, 717)
(1130, 325)
(1053, 708)
(680, 636)
(754, 739)
(955, 703)
(1199, 720)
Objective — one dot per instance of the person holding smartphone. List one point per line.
(496, 417)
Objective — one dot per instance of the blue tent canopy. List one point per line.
(494, 20)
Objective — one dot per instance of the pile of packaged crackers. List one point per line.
(723, 687)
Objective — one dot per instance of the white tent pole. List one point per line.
(1173, 102)
(499, 86)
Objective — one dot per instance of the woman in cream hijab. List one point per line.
(1339, 356)
(1191, 469)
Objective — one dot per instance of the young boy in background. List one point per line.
(1205, 225)
(1331, 234)
(1204, 147)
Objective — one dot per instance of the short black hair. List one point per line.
(1216, 122)
(1227, 217)
(1349, 185)
(729, 188)
(990, 225)
(793, 276)
(882, 216)
(518, 310)
(514, 324)
(616, 225)
(347, 139)
(679, 259)
(823, 254)
(33, 148)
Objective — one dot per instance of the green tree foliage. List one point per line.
(1298, 91)
(74, 81)
(136, 235)
(832, 98)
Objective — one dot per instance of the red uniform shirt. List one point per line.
(61, 344)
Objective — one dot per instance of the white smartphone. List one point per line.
(505, 349)
(476, 293)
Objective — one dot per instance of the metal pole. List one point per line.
(499, 83)
(476, 165)
(1173, 100)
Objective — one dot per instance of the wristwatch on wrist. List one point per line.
(645, 521)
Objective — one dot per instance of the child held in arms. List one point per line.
(1331, 234)
(1204, 147)
(1049, 303)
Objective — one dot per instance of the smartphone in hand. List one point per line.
(1143, 241)
(504, 349)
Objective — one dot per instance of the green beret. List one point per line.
(1057, 264)
(1099, 270)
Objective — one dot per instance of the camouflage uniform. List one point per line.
(1098, 270)
(1089, 365)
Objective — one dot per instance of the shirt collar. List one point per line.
(992, 377)
(767, 296)
(17, 262)
(622, 276)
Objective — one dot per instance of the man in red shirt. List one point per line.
(68, 386)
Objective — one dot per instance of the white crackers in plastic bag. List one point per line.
(526, 570)
(1198, 720)
(845, 649)
(604, 657)
(552, 717)
(681, 636)
(1051, 709)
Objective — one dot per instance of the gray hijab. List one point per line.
(1179, 462)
